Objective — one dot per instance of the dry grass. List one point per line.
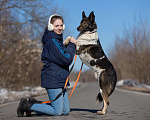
(142, 89)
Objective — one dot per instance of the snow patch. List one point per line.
(131, 83)
(27, 91)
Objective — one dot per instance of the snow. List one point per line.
(131, 83)
(6, 95)
(27, 91)
(146, 86)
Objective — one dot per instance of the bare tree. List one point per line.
(31, 13)
(131, 54)
(22, 23)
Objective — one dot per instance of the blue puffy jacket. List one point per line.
(57, 59)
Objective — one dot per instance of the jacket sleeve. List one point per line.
(59, 54)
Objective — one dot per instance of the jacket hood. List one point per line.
(49, 35)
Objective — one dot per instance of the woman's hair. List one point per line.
(54, 18)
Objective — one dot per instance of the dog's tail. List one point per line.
(99, 98)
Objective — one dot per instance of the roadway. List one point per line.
(124, 105)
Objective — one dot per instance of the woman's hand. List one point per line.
(73, 40)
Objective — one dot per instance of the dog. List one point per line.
(90, 51)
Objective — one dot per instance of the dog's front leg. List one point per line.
(66, 42)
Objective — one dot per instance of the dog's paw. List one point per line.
(66, 42)
(101, 112)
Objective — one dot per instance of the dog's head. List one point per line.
(87, 23)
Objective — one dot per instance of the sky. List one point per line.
(110, 15)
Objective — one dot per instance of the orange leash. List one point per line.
(67, 82)
(76, 81)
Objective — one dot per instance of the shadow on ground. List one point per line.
(85, 110)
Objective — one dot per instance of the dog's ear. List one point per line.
(92, 17)
(83, 14)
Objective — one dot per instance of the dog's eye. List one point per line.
(84, 23)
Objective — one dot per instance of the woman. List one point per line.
(57, 59)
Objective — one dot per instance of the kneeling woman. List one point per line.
(57, 59)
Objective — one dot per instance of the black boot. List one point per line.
(31, 101)
(23, 106)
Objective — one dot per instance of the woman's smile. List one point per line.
(58, 26)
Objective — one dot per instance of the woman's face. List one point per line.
(58, 26)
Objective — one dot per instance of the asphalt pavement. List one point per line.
(124, 105)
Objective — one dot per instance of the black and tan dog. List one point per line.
(91, 53)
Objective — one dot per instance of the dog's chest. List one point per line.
(86, 59)
(86, 39)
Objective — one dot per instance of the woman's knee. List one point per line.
(58, 113)
(66, 112)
